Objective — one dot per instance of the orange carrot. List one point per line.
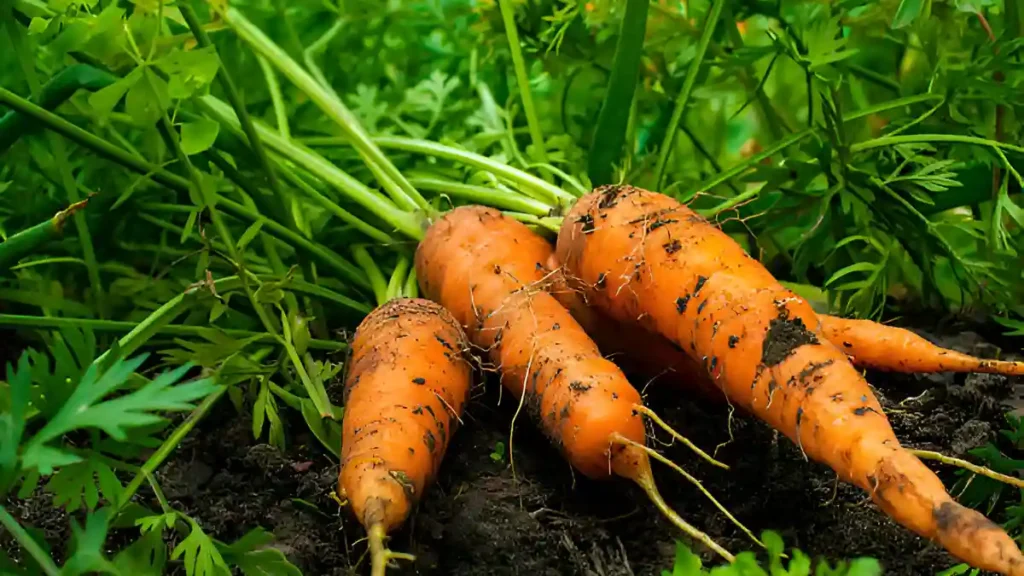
(644, 257)
(489, 271)
(873, 345)
(633, 349)
(867, 344)
(406, 385)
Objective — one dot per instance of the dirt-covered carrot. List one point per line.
(405, 388)
(867, 344)
(873, 345)
(643, 257)
(489, 271)
(630, 346)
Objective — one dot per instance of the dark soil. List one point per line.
(480, 518)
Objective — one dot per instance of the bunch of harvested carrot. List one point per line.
(489, 271)
(642, 257)
(405, 389)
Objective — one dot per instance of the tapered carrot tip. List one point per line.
(380, 555)
(910, 493)
(888, 348)
(970, 536)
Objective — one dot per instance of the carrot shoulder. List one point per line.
(644, 257)
(405, 388)
(489, 271)
(873, 345)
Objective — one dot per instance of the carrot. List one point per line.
(881, 347)
(489, 271)
(405, 389)
(643, 257)
(867, 344)
(633, 348)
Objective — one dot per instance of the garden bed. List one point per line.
(483, 518)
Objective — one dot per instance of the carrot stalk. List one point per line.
(646, 259)
(888, 348)
(489, 271)
(406, 385)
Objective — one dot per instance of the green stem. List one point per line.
(315, 389)
(171, 309)
(397, 278)
(523, 80)
(168, 445)
(342, 214)
(121, 327)
(744, 166)
(483, 195)
(60, 157)
(377, 282)
(731, 203)
(684, 93)
(90, 141)
(293, 401)
(28, 543)
(555, 195)
(280, 112)
(885, 141)
(872, 76)
(324, 255)
(411, 289)
(309, 54)
(891, 104)
(209, 199)
(610, 134)
(551, 224)
(764, 105)
(24, 242)
(403, 221)
(228, 84)
(55, 92)
(403, 193)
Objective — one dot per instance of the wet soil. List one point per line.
(482, 517)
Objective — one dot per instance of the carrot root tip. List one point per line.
(686, 441)
(380, 555)
(646, 481)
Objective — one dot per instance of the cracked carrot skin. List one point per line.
(489, 271)
(643, 257)
(405, 390)
(888, 348)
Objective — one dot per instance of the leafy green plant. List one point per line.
(687, 563)
(113, 413)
